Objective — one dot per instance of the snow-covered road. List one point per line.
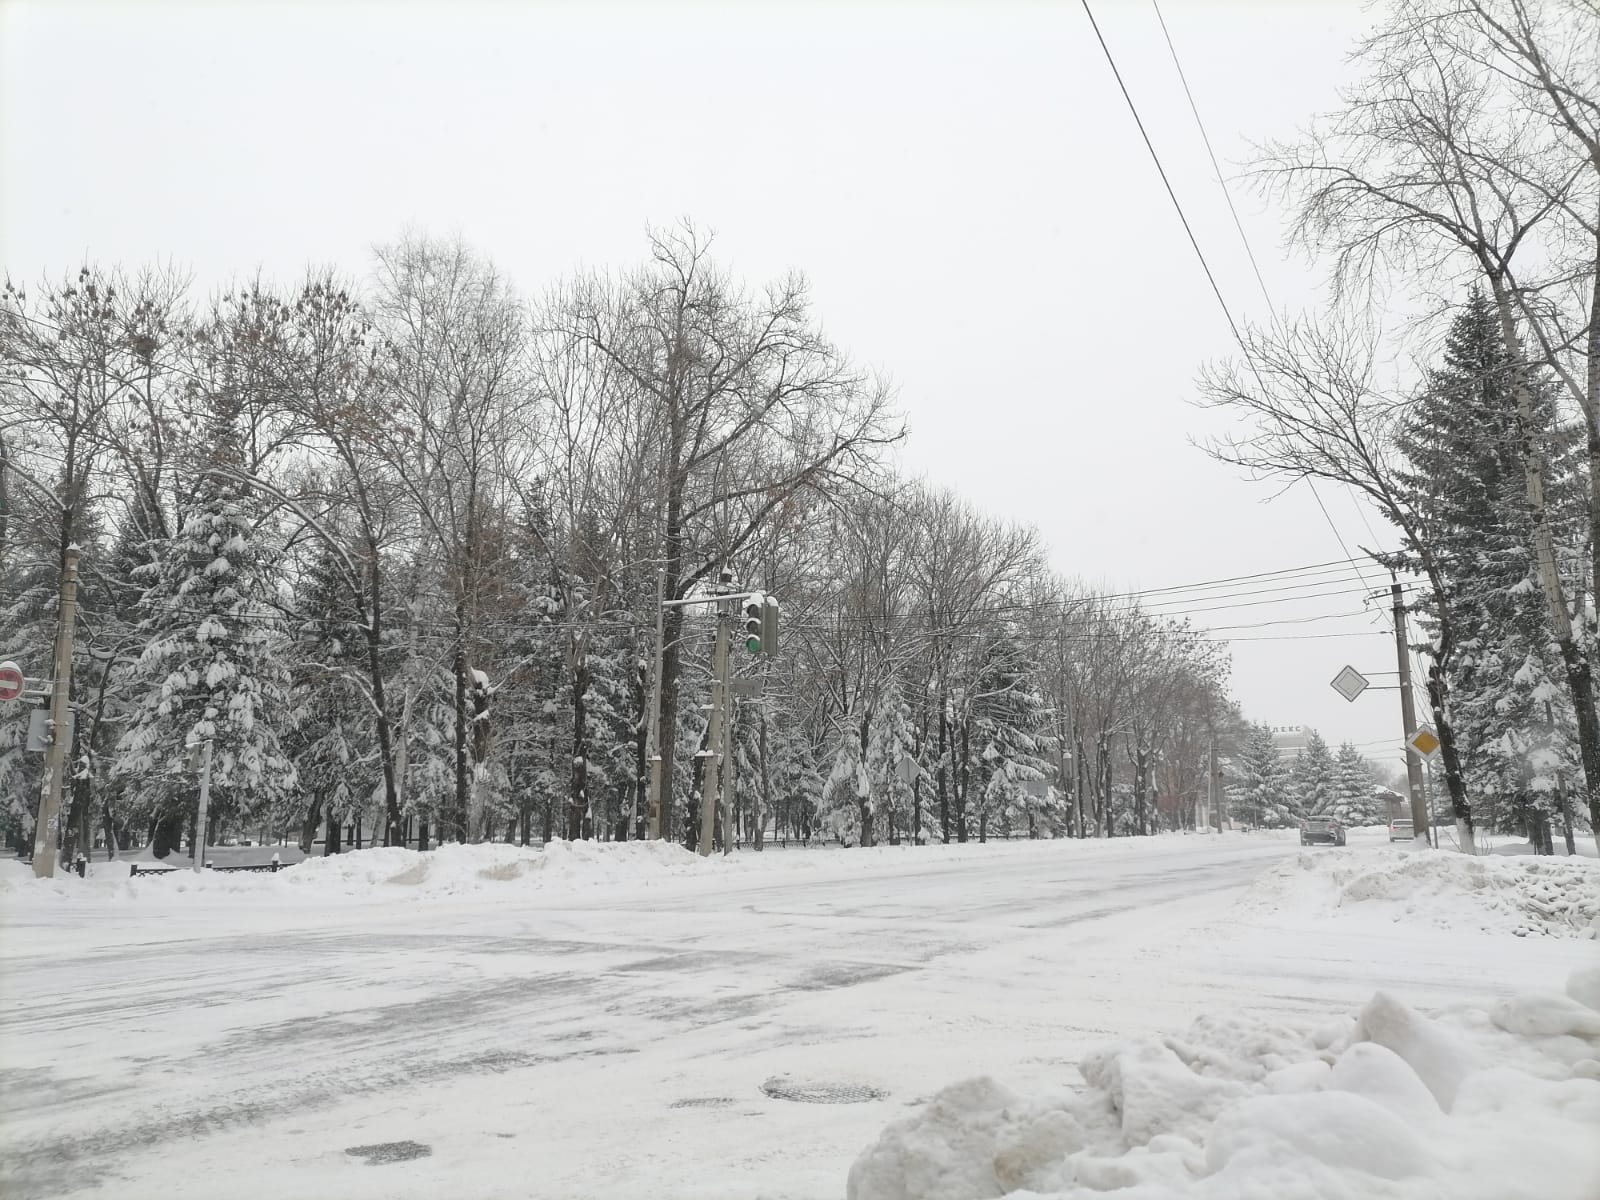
(613, 1040)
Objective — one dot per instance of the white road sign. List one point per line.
(1350, 683)
(11, 681)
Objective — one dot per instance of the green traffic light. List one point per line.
(753, 644)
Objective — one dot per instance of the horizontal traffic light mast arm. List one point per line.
(710, 599)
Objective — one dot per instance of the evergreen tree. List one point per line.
(215, 662)
(891, 739)
(1464, 442)
(847, 800)
(1313, 779)
(1355, 790)
(1261, 786)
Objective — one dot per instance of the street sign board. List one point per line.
(1350, 683)
(906, 767)
(1424, 741)
(749, 687)
(1038, 789)
(11, 681)
(39, 730)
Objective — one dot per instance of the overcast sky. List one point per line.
(962, 183)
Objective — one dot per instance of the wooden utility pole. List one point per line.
(1408, 716)
(48, 825)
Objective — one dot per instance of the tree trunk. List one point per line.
(944, 760)
(331, 843)
(309, 823)
(1455, 784)
(578, 801)
(463, 783)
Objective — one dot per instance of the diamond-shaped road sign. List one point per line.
(906, 767)
(1350, 683)
(1424, 741)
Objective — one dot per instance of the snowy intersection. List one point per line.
(602, 1021)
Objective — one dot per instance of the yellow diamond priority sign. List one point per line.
(1424, 741)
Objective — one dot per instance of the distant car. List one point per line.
(1321, 830)
(1402, 830)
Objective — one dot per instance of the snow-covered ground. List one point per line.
(611, 1021)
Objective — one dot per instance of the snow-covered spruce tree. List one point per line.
(1313, 779)
(1355, 791)
(334, 752)
(1464, 442)
(215, 664)
(847, 801)
(1011, 728)
(890, 740)
(1261, 782)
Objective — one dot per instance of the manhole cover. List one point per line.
(780, 1088)
(703, 1102)
(390, 1152)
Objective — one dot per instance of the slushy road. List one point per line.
(613, 1040)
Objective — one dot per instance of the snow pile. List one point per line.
(1522, 896)
(380, 873)
(1392, 1104)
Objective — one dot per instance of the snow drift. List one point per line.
(1480, 1101)
(1522, 896)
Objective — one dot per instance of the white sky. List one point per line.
(962, 183)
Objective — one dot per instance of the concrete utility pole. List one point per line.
(55, 762)
(205, 805)
(1213, 788)
(1408, 716)
(710, 792)
(657, 828)
(729, 766)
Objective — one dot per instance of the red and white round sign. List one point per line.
(11, 681)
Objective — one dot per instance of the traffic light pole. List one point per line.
(710, 792)
(761, 637)
(55, 762)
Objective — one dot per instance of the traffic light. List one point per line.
(754, 610)
(769, 625)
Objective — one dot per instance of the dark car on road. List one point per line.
(1323, 830)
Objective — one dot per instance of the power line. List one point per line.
(1244, 240)
(1156, 158)
(1237, 224)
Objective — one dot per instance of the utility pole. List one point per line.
(205, 804)
(1213, 792)
(55, 762)
(710, 792)
(657, 827)
(730, 766)
(1408, 715)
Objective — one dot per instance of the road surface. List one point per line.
(619, 1043)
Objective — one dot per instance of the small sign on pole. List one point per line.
(1350, 683)
(39, 730)
(906, 767)
(11, 681)
(1424, 741)
(1037, 789)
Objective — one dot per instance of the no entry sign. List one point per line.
(11, 681)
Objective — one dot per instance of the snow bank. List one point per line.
(1395, 1104)
(1521, 896)
(383, 873)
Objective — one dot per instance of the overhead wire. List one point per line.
(1205, 137)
